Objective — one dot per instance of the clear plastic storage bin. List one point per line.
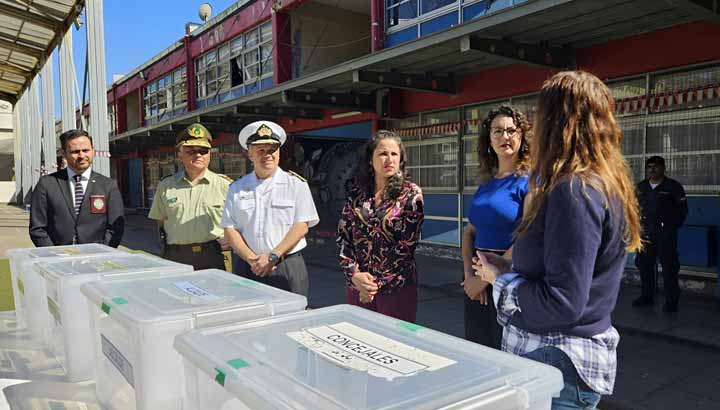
(135, 321)
(21, 265)
(69, 335)
(346, 357)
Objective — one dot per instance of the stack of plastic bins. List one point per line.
(136, 320)
(70, 336)
(29, 288)
(346, 357)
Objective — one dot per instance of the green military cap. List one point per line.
(195, 135)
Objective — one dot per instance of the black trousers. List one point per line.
(481, 324)
(290, 274)
(207, 255)
(661, 245)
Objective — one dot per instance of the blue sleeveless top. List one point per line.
(496, 211)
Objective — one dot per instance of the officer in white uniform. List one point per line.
(268, 212)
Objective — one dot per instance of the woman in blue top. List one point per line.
(496, 209)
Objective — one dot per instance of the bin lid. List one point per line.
(62, 251)
(209, 296)
(104, 264)
(346, 357)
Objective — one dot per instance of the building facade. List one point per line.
(334, 72)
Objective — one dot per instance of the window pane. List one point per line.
(180, 95)
(430, 5)
(236, 45)
(266, 32)
(210, 58)
(633, 133)
(526, 105)
(212, 88)
(211, 74)
(628, 89)
(224, 78)
(224, 53)
(398, 14)
(696, 130)
(251, 38)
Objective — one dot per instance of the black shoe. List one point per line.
(670, 307)
(642, 301)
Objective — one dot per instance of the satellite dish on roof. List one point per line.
(205, 11)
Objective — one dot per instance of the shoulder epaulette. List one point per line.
(225, 177)
(166, 176)
(296, 175)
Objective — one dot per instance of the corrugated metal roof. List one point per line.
(29, 31)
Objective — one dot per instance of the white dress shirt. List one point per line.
(263, 211)
(83, 180)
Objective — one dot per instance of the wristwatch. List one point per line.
(274, 259)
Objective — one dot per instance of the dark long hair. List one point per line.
(487, 157)
(365, 178)
(576, 135)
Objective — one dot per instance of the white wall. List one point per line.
(7, 152)
(7, 191)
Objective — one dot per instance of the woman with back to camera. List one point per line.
(379, 229)
(569, 254)
(495, 213)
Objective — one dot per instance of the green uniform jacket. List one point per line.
(190, 214)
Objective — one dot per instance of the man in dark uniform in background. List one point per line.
(664, 208)
(188, 205)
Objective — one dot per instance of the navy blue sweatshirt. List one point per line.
(572, 257)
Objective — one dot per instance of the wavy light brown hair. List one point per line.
(487, 157)
(576, 135)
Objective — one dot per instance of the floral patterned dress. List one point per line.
(381, 239)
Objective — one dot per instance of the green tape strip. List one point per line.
(105, 308)
(120, 301)
(238, 363)
(410, 326)
(220, 377)
(245, 283)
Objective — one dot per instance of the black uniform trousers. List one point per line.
(290, 274)
(661, 244)
(207, 255)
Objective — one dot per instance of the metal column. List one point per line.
(35, 130)
(98, 85)
(67, 82)
(17, 151)
(23, 125)
(48, 119)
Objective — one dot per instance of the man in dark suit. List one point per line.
(76, 205)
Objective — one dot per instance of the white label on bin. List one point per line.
(117, 359)
(195, 291)
(353, 347)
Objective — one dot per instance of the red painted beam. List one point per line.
(377, 30)
(282, 52)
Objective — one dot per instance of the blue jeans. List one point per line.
(575, 394)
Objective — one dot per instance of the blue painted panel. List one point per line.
(439, 23)
(703, 210)
(200, 104)
(135, 180)
(251, 88)
(467, 201)
(267, 83)
(440, 231)
(356, 131)
(226, 96)
(696, 245)
(475, 11)
(400, 37)
(441, 205)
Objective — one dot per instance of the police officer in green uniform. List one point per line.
(188, 205)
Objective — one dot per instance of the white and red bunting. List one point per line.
(667, 99)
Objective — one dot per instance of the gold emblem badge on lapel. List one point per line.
(98, 204)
